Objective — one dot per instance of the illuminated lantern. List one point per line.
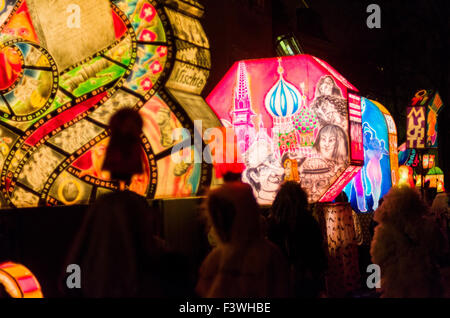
(405, 176)
(19, 282)
(293, 108)
(416, 124)
(428, 161)
(422, 119)
(440, 186)
(425, 161)
(418, 178)
(380, 171)
(60, 85)
(431, 161)
(408, 156)
(434, 107)
(435, 176)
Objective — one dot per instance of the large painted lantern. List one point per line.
(380, 171)
(421, 120)
(68, 65)
(295, 118)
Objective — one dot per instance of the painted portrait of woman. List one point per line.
(327, 86)
(329, 105)
(332, 144)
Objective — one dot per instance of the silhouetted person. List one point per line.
(117, 247)
(232, 177)
(292, 227)
(123, 155)
(439, 212)
(243, 263)
(406, 246)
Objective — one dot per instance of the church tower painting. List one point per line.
(241, 115)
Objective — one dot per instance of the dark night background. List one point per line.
(408, 53)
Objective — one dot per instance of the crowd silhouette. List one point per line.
(248, 253)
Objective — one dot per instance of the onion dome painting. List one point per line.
(283, 99)
(282, 102)
(281, 92)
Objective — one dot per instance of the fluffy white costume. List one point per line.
(406, 245)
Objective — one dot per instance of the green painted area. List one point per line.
(100, 72)
(435, 171)
(104, 77)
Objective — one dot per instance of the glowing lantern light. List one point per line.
(435, 175)
(406, 176)
(421, 132)
(425, 161)
(19, 281)
(295, 118)
(380, 171)
(428, 161)
(431, 161)
(418, 178)
(440, 186)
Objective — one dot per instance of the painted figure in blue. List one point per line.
(374, 149)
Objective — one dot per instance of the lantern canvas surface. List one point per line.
(291, 118)
(380, 171)
(19, 281)
(57, 96)
(408, 156)
(416, 127)
(432, 102)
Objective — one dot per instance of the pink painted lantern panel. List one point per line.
(294, 120)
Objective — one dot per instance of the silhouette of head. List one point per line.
(123, 155)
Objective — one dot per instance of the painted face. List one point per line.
(327, 144)
(315, 185)
(329, 113)
(269, 178)
(326, 88)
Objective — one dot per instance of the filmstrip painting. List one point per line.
(60, 83)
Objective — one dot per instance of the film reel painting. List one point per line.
(53, 122)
